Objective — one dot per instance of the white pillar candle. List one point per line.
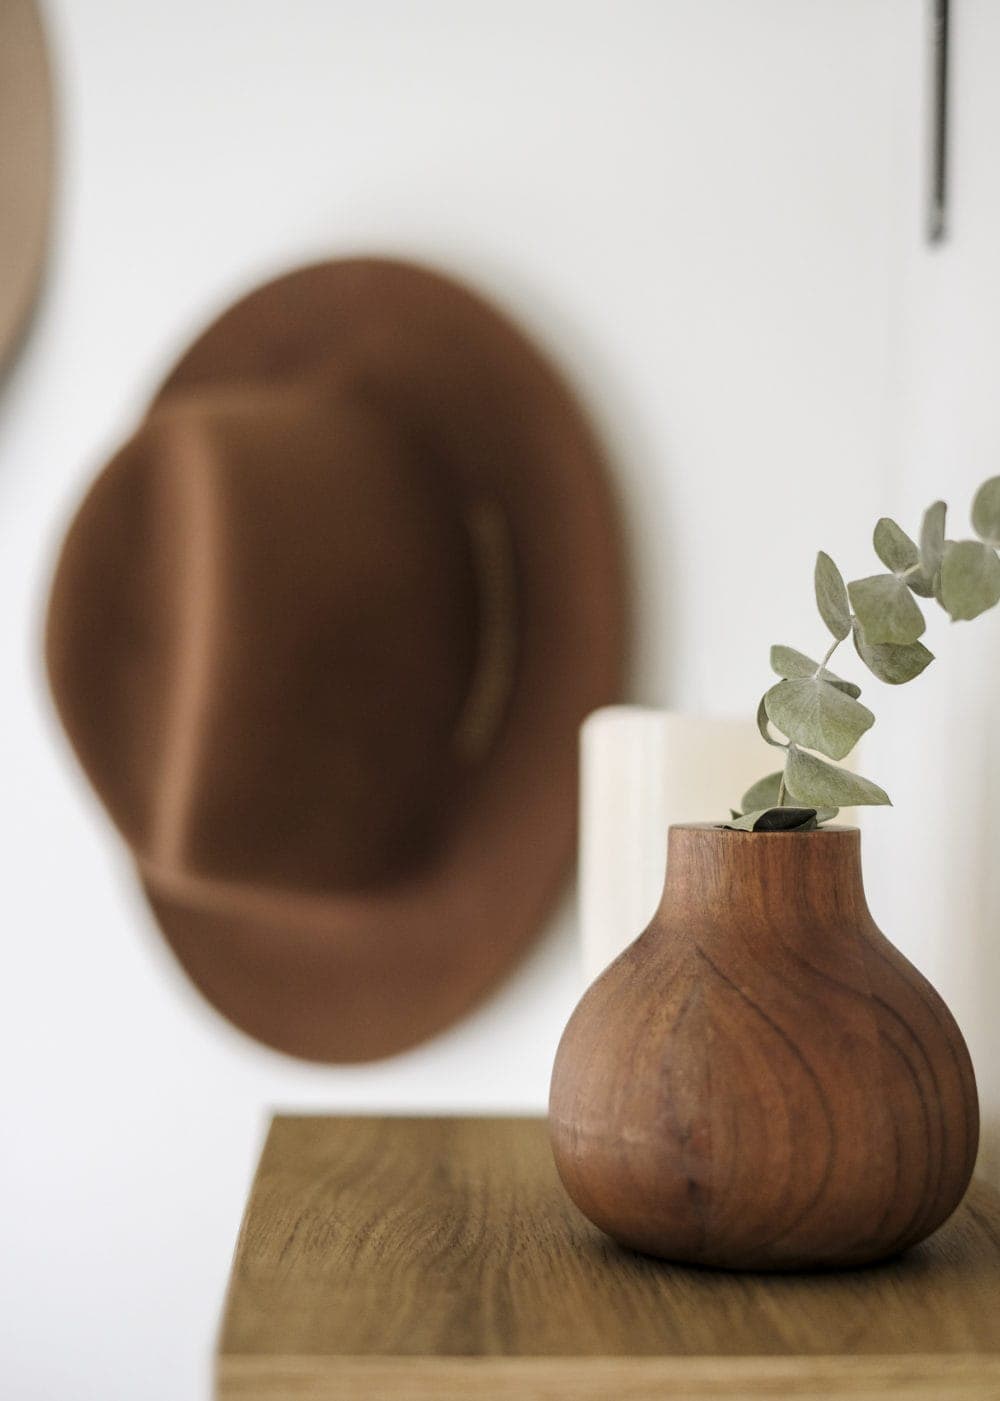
(640, 771)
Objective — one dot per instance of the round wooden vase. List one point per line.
(761, 1080)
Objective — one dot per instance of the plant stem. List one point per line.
(818, 673)
(782, 790)
(829, 653)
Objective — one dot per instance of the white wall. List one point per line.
(936, 874)
(700, 206)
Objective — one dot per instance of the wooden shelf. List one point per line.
(437, 1259)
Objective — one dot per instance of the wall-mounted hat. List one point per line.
(322, 634)
(26, 160)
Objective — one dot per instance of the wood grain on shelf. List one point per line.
(440, 1258)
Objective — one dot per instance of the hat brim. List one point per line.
(361, 977)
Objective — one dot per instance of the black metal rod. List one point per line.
(937, 223)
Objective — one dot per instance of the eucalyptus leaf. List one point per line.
(784, 819)
(796, 666)
(787, 819)
(816, 783)
(886, 609)
(932, 539)
(831, 596)
(986, 511)
(970, 579)
(818, 711)
(894, 547)
(765, 733)
(763, 794)
(937, 584)
(817, 715)
(920, 583)
(889, 663)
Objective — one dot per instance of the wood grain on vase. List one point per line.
(762, 1080)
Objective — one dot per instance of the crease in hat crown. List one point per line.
(322, 633)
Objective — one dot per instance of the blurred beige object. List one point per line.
(26, 160)
(641, 770)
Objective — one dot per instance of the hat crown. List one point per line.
(283, 590)
(322, 636)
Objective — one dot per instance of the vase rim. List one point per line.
(828, 829)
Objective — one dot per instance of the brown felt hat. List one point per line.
(26, 160)
(322, 634)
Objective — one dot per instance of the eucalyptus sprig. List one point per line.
(817, 710)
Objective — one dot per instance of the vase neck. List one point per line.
(785, 879)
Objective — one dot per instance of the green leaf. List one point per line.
(920, 583)
(970, 579)
(814, 782)
(932, 539)
(817, 715)
(784, 819)
(765, 733)
(986, 512)
(937, 584)
(894, 547)
(831, 596)
(886, 609)
(893, 665)
(763, 794)
(796, 666)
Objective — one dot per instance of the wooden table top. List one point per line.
(440, 1258)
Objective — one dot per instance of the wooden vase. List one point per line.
(761, 1080)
